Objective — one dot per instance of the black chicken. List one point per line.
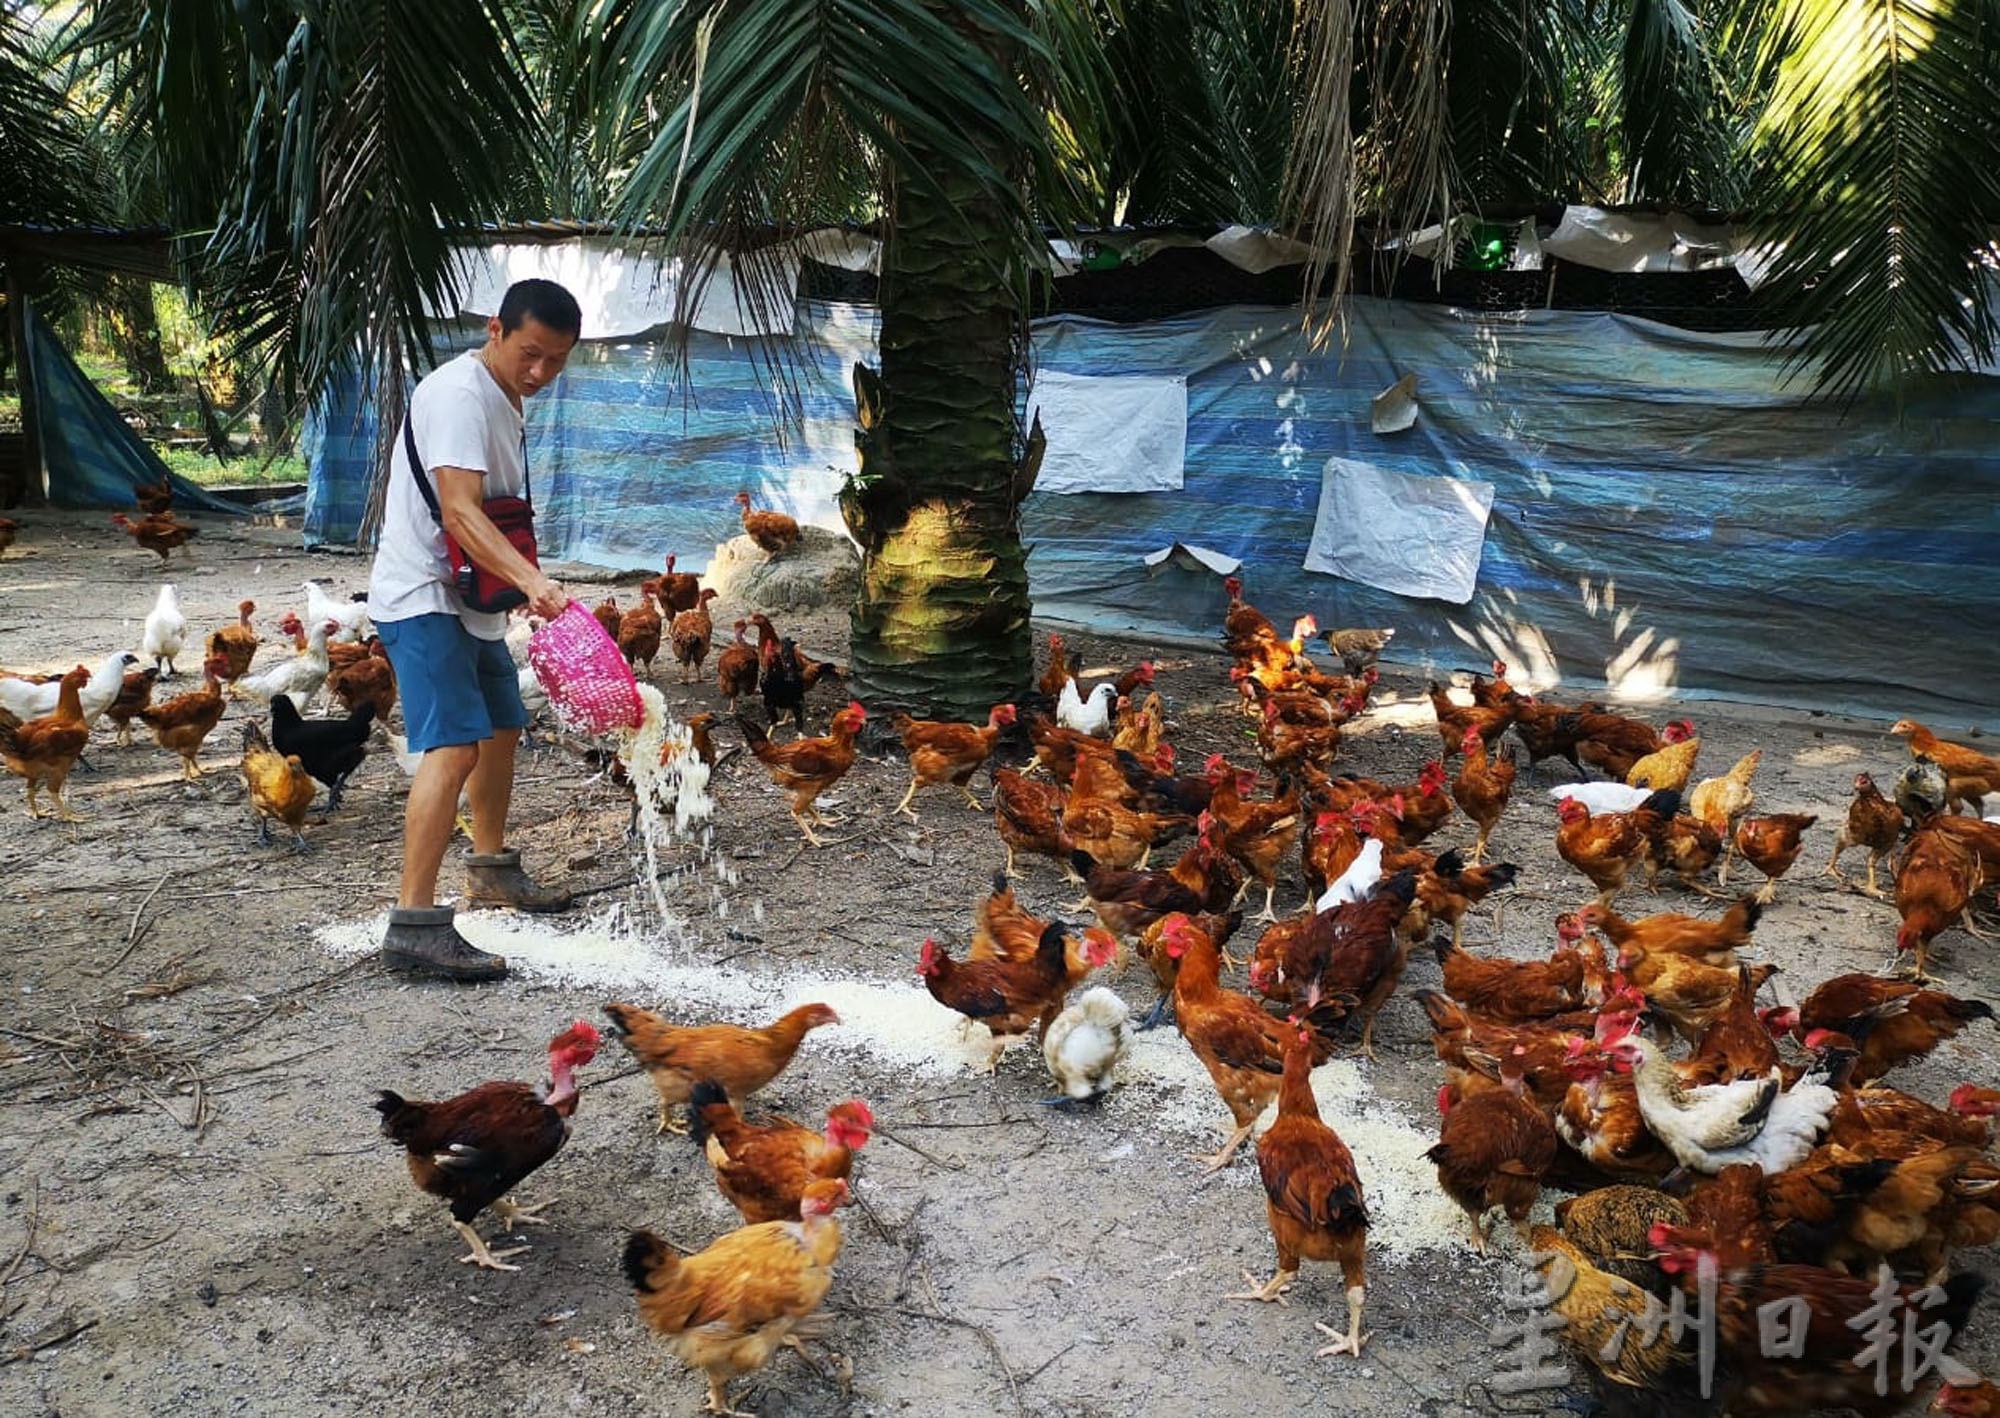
(782, 684)
(329, 749)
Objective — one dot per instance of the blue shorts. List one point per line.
(455, 688)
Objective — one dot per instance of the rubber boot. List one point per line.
(423, 941)
(496, 879)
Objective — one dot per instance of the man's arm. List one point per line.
(460, 493)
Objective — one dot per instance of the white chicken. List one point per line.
(1357, 881)
(299, 677)
(26, 700)
(1721, 1124)
(1083, 1046)
(165, 632)
(1601, 797)
(350, 617)
(1087, 716)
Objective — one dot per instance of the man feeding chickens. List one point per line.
(455, 556)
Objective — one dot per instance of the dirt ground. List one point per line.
(198, 1217)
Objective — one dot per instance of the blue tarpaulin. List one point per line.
(94, 459)
(1668, 514)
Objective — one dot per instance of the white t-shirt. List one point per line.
(462, 418)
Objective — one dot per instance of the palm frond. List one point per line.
(45, 165)
(1677, 106)
(1879, 166)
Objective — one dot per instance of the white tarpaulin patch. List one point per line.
(1115, 433)
(1413, 535)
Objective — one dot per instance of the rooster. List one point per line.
(473, 1149)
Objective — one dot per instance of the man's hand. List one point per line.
(545, 598)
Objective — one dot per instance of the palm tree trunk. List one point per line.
(940, 624)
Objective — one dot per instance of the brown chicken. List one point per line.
(1604, 847)
(1029, 817)
(1448, 889)
(691, 632)
(1002, 929)
(676, 591)
(1059, 673)
(236, 645)
(154, 497)
(473, 1149)
(1713, 942)
(1426, 803)
(367, 679)
(1613, 1327)
(774, 532)
(638, 634)
(1481, 788)
(1140, 726)
(280, 789)
(1670, 765)
(1873, 822)
(1245, 629)
(1890, 1021)
(1455, 721)
(134, 694)
(1359, 649)
(1328, 850)
(1613, 743)
(1260, 835)
(1598, 1114)
(1493, 1149)
(1689, 995)
(1547, 730)
(1969, 774)
(1462, 1040)
(725, 1310)
(1738, 1041)
(736, 1059)
(43, 751)
(183, 722)
(944, 752)
(1934, 885)
(763, 1169)
(1516, 991)
(1967, 1400)
(156, 532)
(736, 668)
(609, 616)
(1008, 996)
(1286, 746)
(1240, 1045)
(1312, 1197)
(1686, 846)
(1114, 835)
(1771, 844)
(805, 768)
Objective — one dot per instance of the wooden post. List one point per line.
(34, 491)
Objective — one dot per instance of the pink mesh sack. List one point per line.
(589, 684)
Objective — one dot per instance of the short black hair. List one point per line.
(545, 301)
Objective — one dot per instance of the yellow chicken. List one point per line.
(280, 788)
(1671, 766)
(725, 1310)
(1722, 802)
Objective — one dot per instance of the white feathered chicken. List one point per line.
(26, 700)
(350, 617)
(1091, 716)
(1601, 797)
(1083, 1045)
(1721, 1124)
(165, 632)
(300, 677)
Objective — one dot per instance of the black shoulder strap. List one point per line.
(424, 482)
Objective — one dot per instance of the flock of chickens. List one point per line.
(1714, 1146)
(1709, 1141)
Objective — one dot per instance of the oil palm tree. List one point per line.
(770, 112)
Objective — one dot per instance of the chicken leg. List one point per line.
(64, 812)
(1271, 1291)
(1350, 1342)
(482, 1257)
(904, 806)
(718, 1400)
(971, 797)
(1218, 1160)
